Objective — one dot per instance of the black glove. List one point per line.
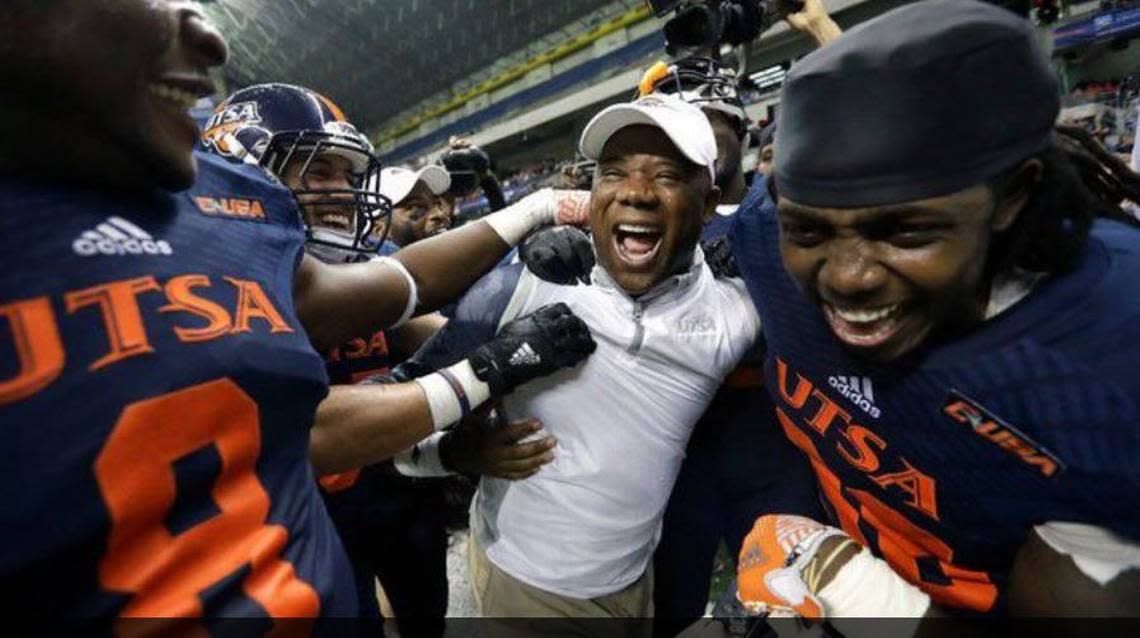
(543, 342)
(560, 255)
(718, 255)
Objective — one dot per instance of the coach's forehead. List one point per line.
(642, 139)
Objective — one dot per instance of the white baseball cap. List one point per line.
(396, 181)
(685, 124)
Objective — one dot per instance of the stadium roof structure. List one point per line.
(378, 58)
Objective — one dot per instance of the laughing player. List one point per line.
(952, 328)
(158, 381)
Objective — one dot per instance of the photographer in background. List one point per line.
(470, 169)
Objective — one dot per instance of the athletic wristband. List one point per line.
(422, 460)
(452, 393)
(460, 392)
(413, 290)
(518, 220)
(867, 587)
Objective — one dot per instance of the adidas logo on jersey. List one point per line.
(117, 236)
(857, 390)
(525, 355)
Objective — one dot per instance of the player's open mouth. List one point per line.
(173, 95)
(335, 221)
(637, 244)
(864, 327)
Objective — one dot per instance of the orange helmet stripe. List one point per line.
(337, 113)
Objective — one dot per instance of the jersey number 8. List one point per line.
(167, 572)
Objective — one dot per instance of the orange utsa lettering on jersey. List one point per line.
(797, 399)
(828, 412)
(1006, 436)
(118, 301)
(178, 291)
(38, 348)
(40, 351)
(359, 348)
(855, 442)
(165, 572)
(356, 349)
(253, 303)
(378, 345)
(231, 207)
(829, 483)
(900, 542)
(862, 457)
(921, 488)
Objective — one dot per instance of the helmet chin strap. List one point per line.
(332, 238)
(332, 247)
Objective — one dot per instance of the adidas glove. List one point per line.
(771, 575)
(543, 342)
(561, 255)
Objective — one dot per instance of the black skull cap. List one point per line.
(925, 100)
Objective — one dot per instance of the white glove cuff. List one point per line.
(422, 460)
(867, 587)
(518, 220)
(452, 393)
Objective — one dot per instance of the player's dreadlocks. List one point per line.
(1108, 179)
(1080, 181)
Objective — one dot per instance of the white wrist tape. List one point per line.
(413, 290)
(518, 220)
(867, 587)
(422, 459)
(452, 393)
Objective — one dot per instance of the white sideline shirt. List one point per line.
(586, 525)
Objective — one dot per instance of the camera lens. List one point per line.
(693, 26)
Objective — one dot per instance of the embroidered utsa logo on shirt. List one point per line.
(696, 325)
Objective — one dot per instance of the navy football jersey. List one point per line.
(943, 467)
(356, 360)
(156, 395)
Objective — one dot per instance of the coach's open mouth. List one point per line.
(637, 244)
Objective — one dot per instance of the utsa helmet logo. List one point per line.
(226, 121)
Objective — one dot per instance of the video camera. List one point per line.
(707, 24)
(466, 166)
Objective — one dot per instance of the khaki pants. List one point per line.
(500, 595)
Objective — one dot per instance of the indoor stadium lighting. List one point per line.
(769, 77)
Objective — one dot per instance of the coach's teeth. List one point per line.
(865, 316)
(183, 99)
(635, 229)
